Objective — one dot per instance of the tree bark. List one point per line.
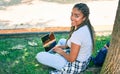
(112, 61)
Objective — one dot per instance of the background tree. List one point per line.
(112, 62)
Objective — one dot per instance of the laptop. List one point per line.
(48, 41)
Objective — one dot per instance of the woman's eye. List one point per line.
(76, 16)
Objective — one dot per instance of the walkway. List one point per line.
(47, 16)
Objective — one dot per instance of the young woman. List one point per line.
(80, 43)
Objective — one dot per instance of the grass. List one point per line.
(17, 55)
(100, 41)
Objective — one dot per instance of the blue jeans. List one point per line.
(52, 60)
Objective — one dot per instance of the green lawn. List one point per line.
(17, 55)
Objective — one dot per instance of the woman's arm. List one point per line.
(62, 46)
(73, 53)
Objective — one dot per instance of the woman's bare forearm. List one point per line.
(62, 46)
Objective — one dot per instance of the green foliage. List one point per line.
(100, 41)
(17, 55)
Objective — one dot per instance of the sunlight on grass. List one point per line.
(4, 53)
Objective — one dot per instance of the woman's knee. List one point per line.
(41, 56)
(62, 41)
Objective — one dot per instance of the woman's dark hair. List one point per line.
(85, 10)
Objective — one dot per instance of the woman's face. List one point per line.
(77, 17)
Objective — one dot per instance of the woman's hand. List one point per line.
(58, 49)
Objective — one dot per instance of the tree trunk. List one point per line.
(112, 61)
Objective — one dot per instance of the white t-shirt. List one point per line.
(82, 37)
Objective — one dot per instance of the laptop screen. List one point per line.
(48, 41)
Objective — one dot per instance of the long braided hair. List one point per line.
(85, 10)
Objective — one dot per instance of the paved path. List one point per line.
(39, 14)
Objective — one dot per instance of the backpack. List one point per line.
(101, 55)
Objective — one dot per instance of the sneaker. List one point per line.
(55, 72)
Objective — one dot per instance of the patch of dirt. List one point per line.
(30, 30)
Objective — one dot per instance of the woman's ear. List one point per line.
(84, 18)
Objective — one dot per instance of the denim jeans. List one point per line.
(52, 60)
